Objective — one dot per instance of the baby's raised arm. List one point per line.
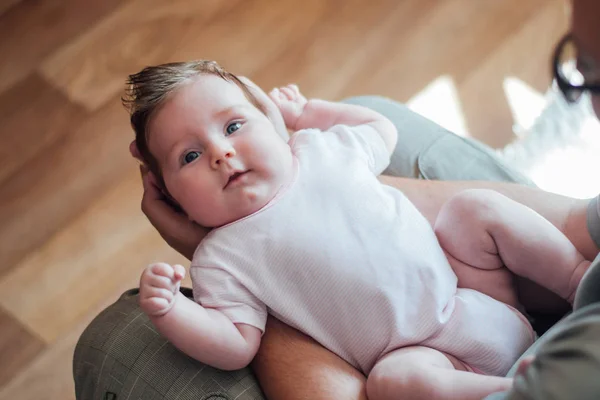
(299, 113)
(204, 334)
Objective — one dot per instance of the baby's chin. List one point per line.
(216, 221)
(247, 201)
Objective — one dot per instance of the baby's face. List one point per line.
(221, 158)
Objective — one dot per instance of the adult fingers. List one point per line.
(135, 152)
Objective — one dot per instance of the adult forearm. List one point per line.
(291, 366)
(205, 335)
(567, 214)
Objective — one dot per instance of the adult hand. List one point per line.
(175, 227)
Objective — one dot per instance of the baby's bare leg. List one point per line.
(486, 230)
(422, 373)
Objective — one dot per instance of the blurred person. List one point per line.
(291, 365)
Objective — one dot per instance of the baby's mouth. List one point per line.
(234, 179)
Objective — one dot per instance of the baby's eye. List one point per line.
(190, 156)
(233, 127)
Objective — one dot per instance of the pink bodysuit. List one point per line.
(352, 263)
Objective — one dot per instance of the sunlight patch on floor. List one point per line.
(525, 103)
(557, 145)
(572, 169)
(439, 102)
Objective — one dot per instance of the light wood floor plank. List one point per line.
(49, 376)
(256, 35)
(453, 40)
(18, 347)
(61, 181)
(324, 63)
(491, 119)
(31, 30)
(103, 251)
(23, 133)
(92, 69)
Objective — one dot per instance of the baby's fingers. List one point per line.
(163, 269)
(292, 93)
(161, 282)
(179, 272)
(289, 93)
(294, 88)
(157, 293)
(276, 96)
(155, 306)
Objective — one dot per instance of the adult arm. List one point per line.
(292, 366)
(566, 213)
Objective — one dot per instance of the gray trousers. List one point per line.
(120, 354)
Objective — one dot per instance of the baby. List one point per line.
(352, 264)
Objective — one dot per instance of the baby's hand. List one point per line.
(290, 102)
(158, 286)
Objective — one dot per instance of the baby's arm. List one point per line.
(202, 333)
(299, 113)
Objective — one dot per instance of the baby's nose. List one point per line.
(221, 154)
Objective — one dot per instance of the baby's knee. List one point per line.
(478, 200)
(397, 382)
(471, 206)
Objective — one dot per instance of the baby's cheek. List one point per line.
(203, 207)
(192, 203)
(177, 194)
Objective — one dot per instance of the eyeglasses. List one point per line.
(574, 73)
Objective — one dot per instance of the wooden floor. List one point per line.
(72, 236)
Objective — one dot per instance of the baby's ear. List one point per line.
(269, 107)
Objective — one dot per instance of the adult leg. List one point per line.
(593, 219)
(488, 231)
(422, 373)
(587, 291)
(566, 362)
(430, 165)
(121, 355)
(427, 151)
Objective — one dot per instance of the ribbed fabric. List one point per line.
(593, 219)
(353, 264)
